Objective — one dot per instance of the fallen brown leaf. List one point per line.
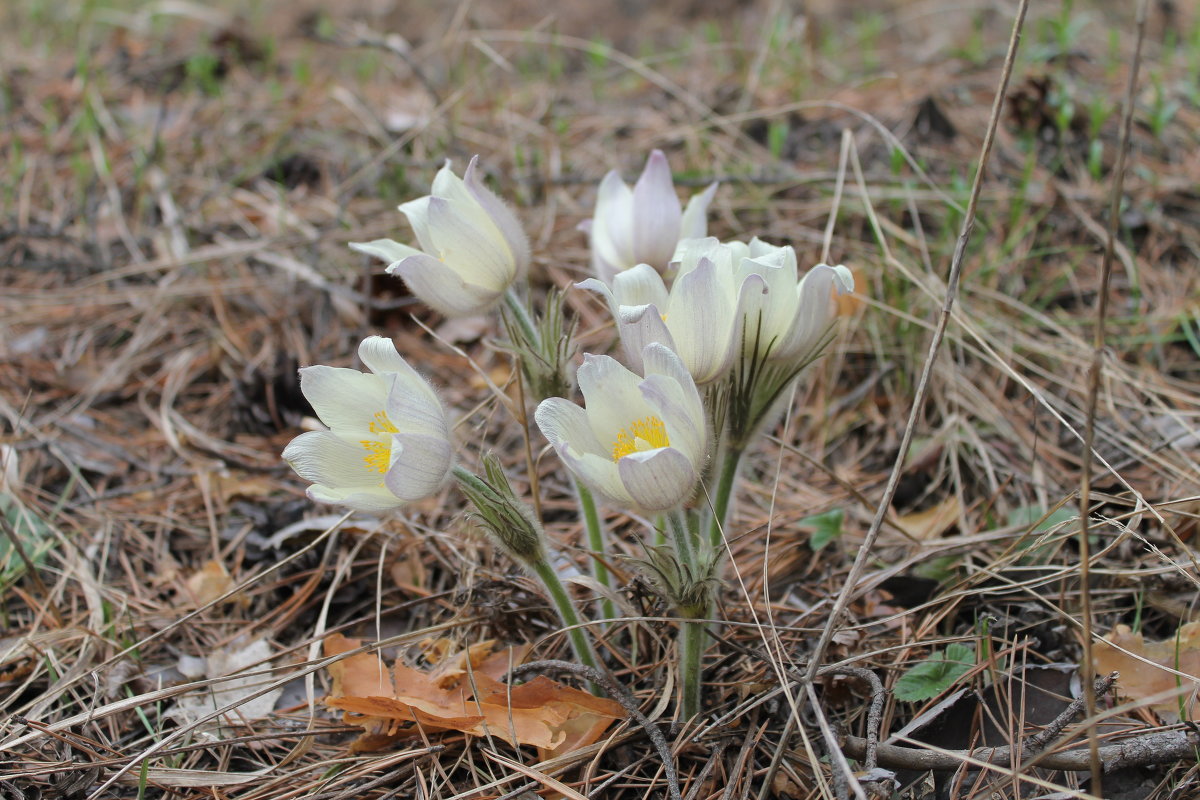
(463, 692)
(1141, 681)
(932, 522)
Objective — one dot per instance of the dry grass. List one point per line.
(178, 194)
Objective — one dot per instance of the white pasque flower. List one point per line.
(472, 246)
(642, 225)
(789, 322)
(388, 441)
(641, 442)
(696, 318)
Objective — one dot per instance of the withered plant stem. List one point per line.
(885, 502)
(1093, 391)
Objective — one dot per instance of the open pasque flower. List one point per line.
(697, 318)
(472, 246)
(388, 441)
(641, 442)
(642, 225)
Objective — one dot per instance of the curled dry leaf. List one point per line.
(462, 692)
(1167, 692)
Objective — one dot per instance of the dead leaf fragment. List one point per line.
(237, 689)
(1156, 682)
(463, 692)
(932, 522)
(208, 583)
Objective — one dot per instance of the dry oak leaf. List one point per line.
(932, 522)
(1139, 680)
(554, 718)
(208, 583)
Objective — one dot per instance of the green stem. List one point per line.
(731, 459)
(521, 315)
(595, 538)
(566, 611)
(692, 638)
(683, 540)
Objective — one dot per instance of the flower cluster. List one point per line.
(711, 335)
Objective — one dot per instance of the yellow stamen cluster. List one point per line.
(648, 433)
(379, 454)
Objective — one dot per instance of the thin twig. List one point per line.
(864, 551)
(1160, 747)
(1094, 372)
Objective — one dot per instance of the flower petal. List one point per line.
(694, 223)
(638, 286)
(686, 430)
(656, 213)
(657, 480)
(326, 458)
(612, 396)
(378, 499)
(441, 288)
(565, 426)
(700, 317)
(815, 310)
(640, 326)
(480, 256)
(346, 400)
(612, 227)
(385, 250)
(417, 212)
(451, 188)
(420, 464)
(659, 361)
(501, 214)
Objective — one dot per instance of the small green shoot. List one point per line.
(825, 527)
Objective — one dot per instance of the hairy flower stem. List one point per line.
(692, 637)
(580, 642)
(521, 315)
(684, 550)
(595, 539)
(730, 461)
(692, 632)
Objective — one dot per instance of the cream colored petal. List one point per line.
(656, 213)
(638, 327)
(479, 255)
(815, 311)
(686, 431)
(346, 400)
(613, 398)
(565, 425)
(601, 474)
(612, 227)
(694, 224)
(326, 458)
(700, 317)
(442, 289)
(501, 214)
(639, 286)
(420, 465)
(368, 500)
(385, 250)
(657, 480)
(417, 212)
